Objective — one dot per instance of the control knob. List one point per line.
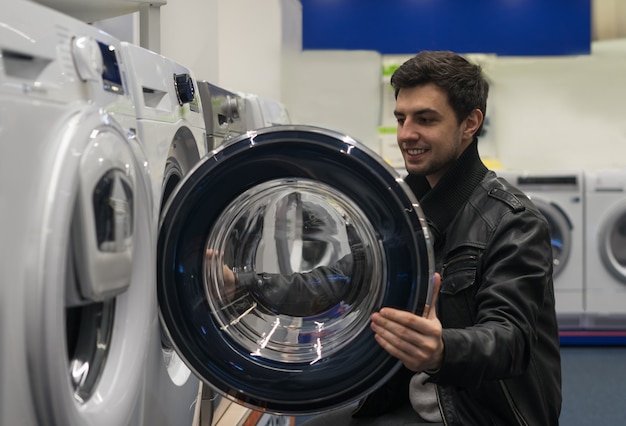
(184, 88)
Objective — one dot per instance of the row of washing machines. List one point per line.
(96, 134)
(121, 202)
(586, 211)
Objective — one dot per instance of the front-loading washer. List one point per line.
(259, 332)
(224, 113)
(559, 196)
(605, 254)
(170, 120)
(261, 111)
(170, 126)
(77, 249)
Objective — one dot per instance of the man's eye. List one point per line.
(400, 121)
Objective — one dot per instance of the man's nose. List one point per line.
(407, 132)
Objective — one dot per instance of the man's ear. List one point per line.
(472, 123)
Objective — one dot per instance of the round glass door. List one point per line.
(612, 237)
(560, 234)
(273, 254)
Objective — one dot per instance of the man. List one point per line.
(488, 353)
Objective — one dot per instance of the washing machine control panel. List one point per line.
(111, 74)
(96, 62)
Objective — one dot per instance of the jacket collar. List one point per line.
(441, 203)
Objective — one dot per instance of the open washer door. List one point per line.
(274, 252)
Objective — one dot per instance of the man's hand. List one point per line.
(228, 284)
(414, 340)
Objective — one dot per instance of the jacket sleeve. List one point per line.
(512, 284)
(300, 294)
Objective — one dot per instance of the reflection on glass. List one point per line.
(113, 209)
(293, 270)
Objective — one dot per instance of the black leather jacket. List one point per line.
(492, 248)
(502, 362)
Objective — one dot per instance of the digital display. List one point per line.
(111, 76)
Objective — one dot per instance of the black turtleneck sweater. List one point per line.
(441, 203)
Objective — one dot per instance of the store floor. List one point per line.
(594, 386)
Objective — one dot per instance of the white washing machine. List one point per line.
(77, 249)
(224, 113)
(263, 112)
(559, 195)
(170, 125)
(229, 114)
(170, 120)
(605, 254)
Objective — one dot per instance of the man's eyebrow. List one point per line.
(416, 112)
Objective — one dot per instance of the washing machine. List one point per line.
(277, 336)
(224, 113)
(170, 125)
(263, 112)
(170, 117)
(77, 249)
(559, 195)
(605, 254)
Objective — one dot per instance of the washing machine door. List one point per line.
(272, 255)
(612, 241)
(88, 272)
(560, 233)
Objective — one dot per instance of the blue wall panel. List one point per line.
(503, 27)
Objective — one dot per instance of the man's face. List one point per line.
(429, 135)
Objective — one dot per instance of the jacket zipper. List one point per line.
(443, 415)
(518, 416)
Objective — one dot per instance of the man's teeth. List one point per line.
(415, 151)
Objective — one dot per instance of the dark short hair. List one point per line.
(463, 81)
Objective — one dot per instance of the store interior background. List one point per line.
(546, 112)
